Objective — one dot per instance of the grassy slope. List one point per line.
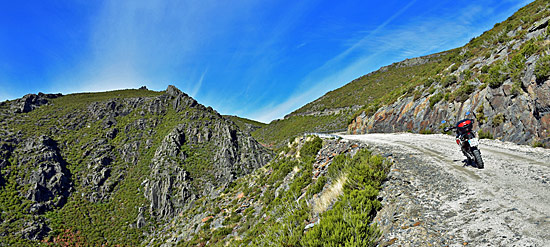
(276, 218)
(386, 85)
(279, 132)
(242, 122)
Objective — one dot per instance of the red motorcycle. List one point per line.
(468, 142)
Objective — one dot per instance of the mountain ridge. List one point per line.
(157, 152)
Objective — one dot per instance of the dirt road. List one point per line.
(432, 199)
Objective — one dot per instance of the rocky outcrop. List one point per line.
(223, 153)
(30, 102)
(49, 180)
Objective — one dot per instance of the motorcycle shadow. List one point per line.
(466, 163)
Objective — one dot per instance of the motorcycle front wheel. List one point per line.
(479, 160)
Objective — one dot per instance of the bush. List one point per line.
(480, 116)
(542, 69)
(454, 67)
(497, 74)
(221, 232)
(485, 135)
(426, 131)
(449, 80)
(434, 99)
(428, 82)
(485, 69)
(311, 148)
(318, 186)
(349, 220)
(467, 74)
(528, 49)
(537, 144)
(498, 119)
(462, 93)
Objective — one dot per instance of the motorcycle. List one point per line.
(467, 140)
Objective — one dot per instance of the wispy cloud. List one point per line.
(198, 85)
(150, 42)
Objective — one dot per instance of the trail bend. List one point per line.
(432, 199)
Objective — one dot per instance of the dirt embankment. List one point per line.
(431, 198)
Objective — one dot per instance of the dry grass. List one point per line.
(330, 195)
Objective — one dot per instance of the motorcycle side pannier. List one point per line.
(465, 126)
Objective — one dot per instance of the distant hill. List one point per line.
(245, 124)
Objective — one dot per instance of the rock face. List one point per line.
(232, 153)
(30, 102)
(516, 110)
(49, 181)
(41, 174)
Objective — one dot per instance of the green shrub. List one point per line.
(426, 131)
(467, 74)
(221, 232)
(485, 69)
(482, 86)
(537, 144)
(454, 68)
(497, 74)
(498, 119)
(485, 135)
(480, 115)
(462, 93)
(349, 220)
(338, 164)
(542, 69)
(311, 148)
(318, 186)
(435, 99)
(446, 97)
(449, 80)
(428, 82)
(529, 48)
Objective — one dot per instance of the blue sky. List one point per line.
(256, 59)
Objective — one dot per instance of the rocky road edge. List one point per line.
(432, 199)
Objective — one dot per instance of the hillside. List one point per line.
(505, 57)
(313, 193)
(502, 77)
(106, 168)
(245, 124)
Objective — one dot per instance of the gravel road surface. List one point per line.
(432, 198)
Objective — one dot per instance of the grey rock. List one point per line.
(30, 102)
(232, 153)
(50, 178)
(35, 230)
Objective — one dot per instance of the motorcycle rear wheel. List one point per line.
(479, 160)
